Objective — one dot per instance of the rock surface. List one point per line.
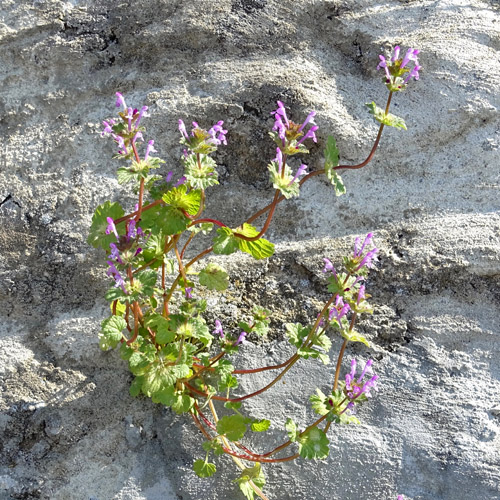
(69, 428)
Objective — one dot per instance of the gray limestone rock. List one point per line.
(69, 428)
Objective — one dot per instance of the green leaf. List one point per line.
(162, 327)
(125, 175)
(331, 152)
(387, 119)
(154, 250)
(203, 175)
(260, 425)
(319, 403)
(111, 332)
(227, 381)
(313, 444)
(225, 243)
(253, 474)
(97, 234)
(116, 293)
(196, 328)
(204, 228)
(204, 469)
(258, 249)
(213, 445)
(233, 427)
(332, 161)
(232, 405)
(292, 431)
(223, 367)
(307, 352)
(136, 387)
(296, 333)
(179, 198)
(182, 404)
(353, 336)
(160, 377)
(283, 183)
(214, 277)
(167, 219)
(147, 279)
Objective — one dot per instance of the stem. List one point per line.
(339, 362)
(267, 223)
(141, 187)
(341, 354)
(377, 140)
(131, 215)
(235, 457)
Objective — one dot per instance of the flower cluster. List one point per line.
(127, 132)
(289, 138)
(355, 387)
(124, 250)
(203, 141)
(397, 72)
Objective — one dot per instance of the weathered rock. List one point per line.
(69, 427)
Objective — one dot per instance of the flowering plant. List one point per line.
(157, 305)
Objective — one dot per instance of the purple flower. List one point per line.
(115, 254)
(120, 101)
(108, 127)
(241, 338)
(143, 113)
(130, 115)
(395, 56)
(383, 64)
(279, 159)
(169, 176)
(111, 227)
(361, 294)
(133, 231)
(353, 386)
(221, 137)
(218, 329)
(339, 311)
(411, 55)
(413, 74)
(182, 129)
(300, 171)
(309, 135)
(368, 259)
(181, 181)
(280, 127)
(309, 119)
(149, 149)
(359, 250)
(328, 266)
(137, 136)
(281, 112)
(112, 271)
(188, 292)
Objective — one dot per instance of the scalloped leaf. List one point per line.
(214, 277)
(203, 468)
(291, 429)
(283, 183)
(387, 119)
(353, 336)
(313, 444)
(111, 332)
(232, 426)
(225, 243)
(203, 175)
(97, 234)
(258, 249)
(253, 474)
(179, 198)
